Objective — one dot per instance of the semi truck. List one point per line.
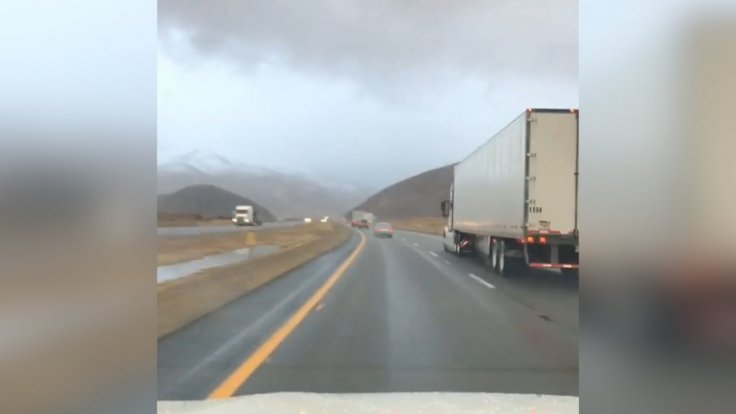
(245, 216)
(361, 219)
(514, 199)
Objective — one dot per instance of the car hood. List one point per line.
(405, 403)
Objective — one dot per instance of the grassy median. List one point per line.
(182, 301)
(181, 249)
(190, 220)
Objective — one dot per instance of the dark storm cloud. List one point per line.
(385, 43)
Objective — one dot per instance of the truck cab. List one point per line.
(244, 216)
(453, 241)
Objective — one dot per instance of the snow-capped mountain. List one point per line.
(208, 163)
(339, 186)
(286, 195)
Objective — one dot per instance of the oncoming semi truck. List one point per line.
(245, 216)
(514, 199)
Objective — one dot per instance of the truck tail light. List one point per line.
(542, 240)
(530, 240)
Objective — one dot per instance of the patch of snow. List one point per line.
(210, 163)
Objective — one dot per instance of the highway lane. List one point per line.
(200, 230)
(406, 316)
(195, 359)
(546, 292)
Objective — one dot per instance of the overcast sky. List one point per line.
(368, 92)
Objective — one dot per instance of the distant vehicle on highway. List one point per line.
(383, 230)
(358, 217)
(324, 219)
(307, 220)
(361, 224)
(245, 216)
(515, 198)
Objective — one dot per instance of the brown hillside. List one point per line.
(417, 196)
(207, 201)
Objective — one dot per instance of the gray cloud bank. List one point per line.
(368, 91)
(384, 44)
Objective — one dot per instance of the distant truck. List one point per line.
(245, 216)
(515, 198)
(362, 219)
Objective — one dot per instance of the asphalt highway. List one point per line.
(404, 317)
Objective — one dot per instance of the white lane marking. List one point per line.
(447, 261)
(416, 245)
(433, 254)
(481, 281)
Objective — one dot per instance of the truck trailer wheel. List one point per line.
(498, 257)
(494, 256)
(505, 266)
(503, 269)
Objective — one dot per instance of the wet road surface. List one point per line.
(406, 316)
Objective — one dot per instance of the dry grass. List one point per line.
(189, 220)
(181, 249)
(182, 301)
(215, 222)
(177, 220)
(431, 225)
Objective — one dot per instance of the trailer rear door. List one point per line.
(553, 157)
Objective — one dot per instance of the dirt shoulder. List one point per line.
(181, 249)
(182, 301)
(430, 225)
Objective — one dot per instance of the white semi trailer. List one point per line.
(514, 199)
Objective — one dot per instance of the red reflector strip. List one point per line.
(553, 266)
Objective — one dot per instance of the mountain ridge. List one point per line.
(286, 194)
(417, 196)
(208, 201)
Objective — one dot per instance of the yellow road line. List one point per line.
(255, 360)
